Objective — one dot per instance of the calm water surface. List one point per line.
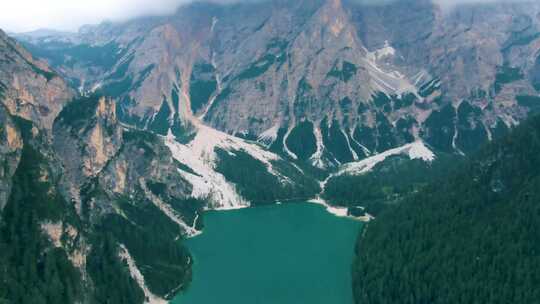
(283, 254)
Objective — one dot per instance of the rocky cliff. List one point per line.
(112, 147)
(81, 194)
(29, 87)
(354, 79)
(104, 205)
(75, 211)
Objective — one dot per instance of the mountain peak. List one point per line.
(388, 73)
(335, 3)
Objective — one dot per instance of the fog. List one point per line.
(69, 15)
(452, 3)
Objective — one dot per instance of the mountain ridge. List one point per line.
(117, 140)
(372, 82)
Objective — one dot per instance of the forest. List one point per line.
(388, 183)
(471, 238)
(31, 269)
(257, 185)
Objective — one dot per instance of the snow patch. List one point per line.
(207, 184)
(81, 86)
(219, 88)
(391, 81)
(419, 77)
(454, 141)
(169, 211)
(269, 136)
(199, 155)
(386, 51)
(353, 153)
(418, 150)
(415, 150)
(214, 22)
(316, 158)
(138, 277)
(364, 149)
(96, 87)
(285, 148)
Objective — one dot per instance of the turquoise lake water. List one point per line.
(283, 254)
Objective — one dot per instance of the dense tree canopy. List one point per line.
(32, 270)
(474, 238)
(388, 183)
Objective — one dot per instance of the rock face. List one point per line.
(28, 87)
(97, 151)
(227, 106)
(10, 154)
(359, 78)
(120, 177)
(94, 136)
(80, 193)
(107, 200)
(101, 194)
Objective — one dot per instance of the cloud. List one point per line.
(69, 15)
(453, 3)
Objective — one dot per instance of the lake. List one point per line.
(282, 254)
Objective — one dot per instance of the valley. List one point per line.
(310, 151)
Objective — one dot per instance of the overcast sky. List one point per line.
(27, 15)
(69, 15)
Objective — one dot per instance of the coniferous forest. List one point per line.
(408, 131)
(473, 238)
(388, 183)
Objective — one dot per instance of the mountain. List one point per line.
(325, 82)
(386, 178)
(82, 194)
(81, 203)
(94, 210)
(29, 87)
(115, 139)
(469, 237)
